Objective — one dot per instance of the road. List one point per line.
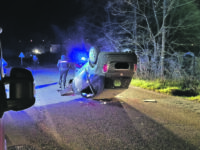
(74, 123)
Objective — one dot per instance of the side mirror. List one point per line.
(20, 89)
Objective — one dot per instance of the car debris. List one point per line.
(150, 100)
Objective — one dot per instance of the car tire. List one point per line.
(93, 56)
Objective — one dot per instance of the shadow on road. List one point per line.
(28, 133)
(155, 135)
(45, 85)
(91, 124)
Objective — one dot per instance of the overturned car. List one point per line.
(105, 74)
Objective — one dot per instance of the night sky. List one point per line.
(34, 23)
(20, 18)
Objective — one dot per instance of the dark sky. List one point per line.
(31, 22)
(22, 17)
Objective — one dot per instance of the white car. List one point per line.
(105, 75)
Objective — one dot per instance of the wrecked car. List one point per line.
(105, 74)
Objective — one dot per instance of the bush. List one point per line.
(189, 83)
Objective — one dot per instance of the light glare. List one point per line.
(36, 51)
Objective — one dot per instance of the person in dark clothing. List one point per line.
(63, 66)
(3, 65)
(35, 61)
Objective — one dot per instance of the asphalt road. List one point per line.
(74, 123)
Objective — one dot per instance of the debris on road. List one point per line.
(150, 100)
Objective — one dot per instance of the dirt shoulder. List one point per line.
(178, 115)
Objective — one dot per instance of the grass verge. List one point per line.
(175, 88)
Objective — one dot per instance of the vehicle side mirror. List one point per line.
(20, 89)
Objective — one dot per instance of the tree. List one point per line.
(155, 28)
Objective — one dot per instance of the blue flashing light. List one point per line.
(78, 55)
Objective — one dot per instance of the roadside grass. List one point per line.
(194, 98)
(176, 88)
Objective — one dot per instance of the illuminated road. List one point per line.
(76, 123)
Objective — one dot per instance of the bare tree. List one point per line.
(150, 28)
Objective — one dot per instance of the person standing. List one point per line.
(63, 66)
(35, 61)
(3, 65)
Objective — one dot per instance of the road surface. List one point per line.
(74, 123)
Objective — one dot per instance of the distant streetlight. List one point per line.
(36, 51)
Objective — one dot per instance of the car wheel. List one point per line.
(93, 55)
